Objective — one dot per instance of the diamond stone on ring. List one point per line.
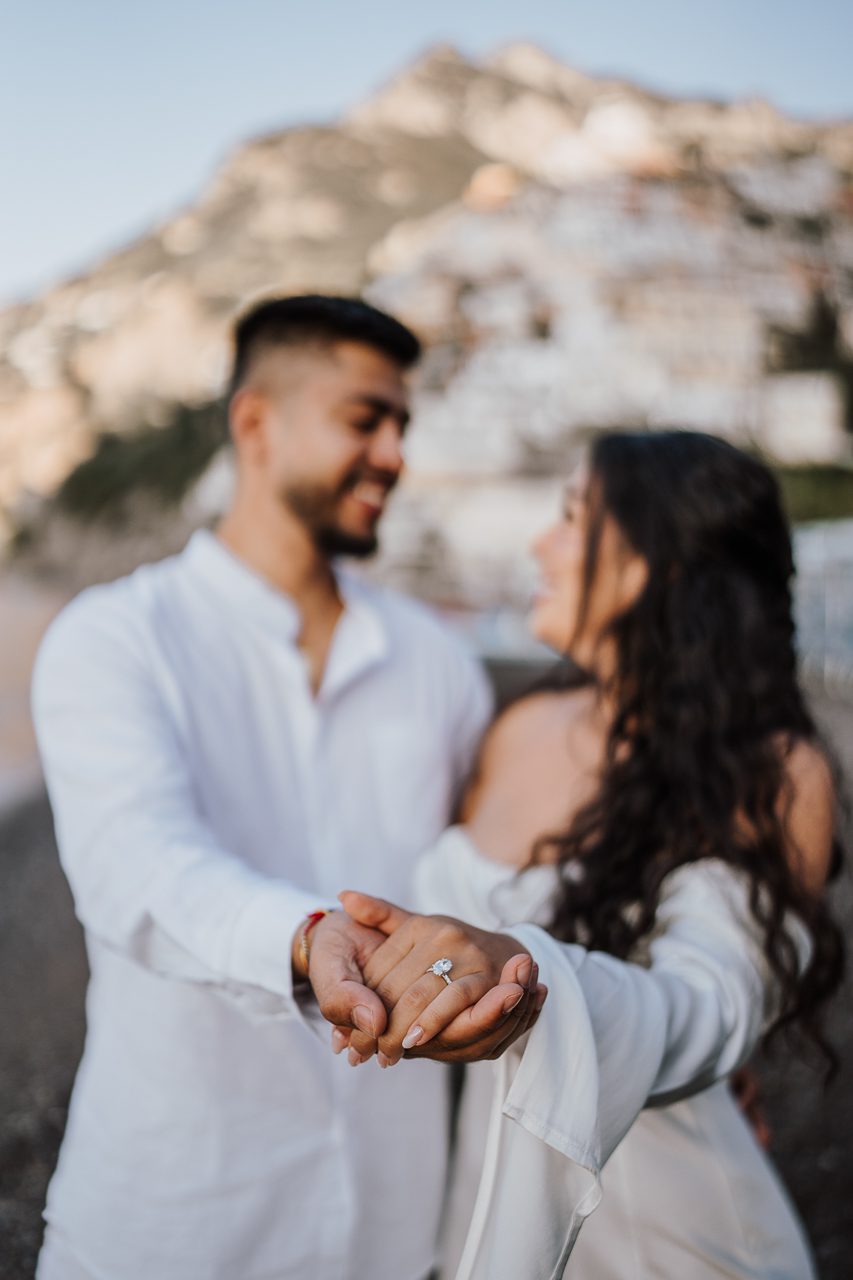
(441, 969)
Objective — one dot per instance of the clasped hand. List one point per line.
(370, 971)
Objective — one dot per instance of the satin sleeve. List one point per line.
(613, 1037)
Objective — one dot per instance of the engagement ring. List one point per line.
(441, 969)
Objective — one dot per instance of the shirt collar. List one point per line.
(361, 637)
(245, 590)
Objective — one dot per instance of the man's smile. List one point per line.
(371, 495)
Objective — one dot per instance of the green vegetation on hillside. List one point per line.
(159, 462)
(817, 492)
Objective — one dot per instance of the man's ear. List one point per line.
(247, 415)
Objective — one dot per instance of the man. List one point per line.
(229, 738)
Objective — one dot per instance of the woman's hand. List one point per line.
(746, 1090)
(493, 997)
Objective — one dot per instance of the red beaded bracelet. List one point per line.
(310, 920)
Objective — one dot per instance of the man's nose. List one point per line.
(539, 544)
(386, 447)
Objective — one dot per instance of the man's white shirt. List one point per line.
(205, 801)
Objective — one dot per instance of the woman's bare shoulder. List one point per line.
(808, 811)
(526, 743)
(524, 721)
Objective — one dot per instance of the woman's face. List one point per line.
(560, 552)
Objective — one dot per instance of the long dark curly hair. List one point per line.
(708, 706)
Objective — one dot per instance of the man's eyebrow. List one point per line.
(381, 405)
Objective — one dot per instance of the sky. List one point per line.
(114, 115)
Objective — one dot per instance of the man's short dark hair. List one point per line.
(317, 320)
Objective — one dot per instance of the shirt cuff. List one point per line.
(262, 938)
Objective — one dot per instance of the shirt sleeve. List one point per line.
(148, 877)
(660, 1031)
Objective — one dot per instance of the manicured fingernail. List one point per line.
(512, 1001)
(540, 997)
(363, 1019)
(534, 977)
(354, 1058)
(382, 1060)
(525, 969)
(413, 1037)
(339, 1041)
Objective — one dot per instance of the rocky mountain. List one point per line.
(578, 253)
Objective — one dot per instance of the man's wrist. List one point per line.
(300, 954)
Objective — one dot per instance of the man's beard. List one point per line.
(315, 507)
(336, 542)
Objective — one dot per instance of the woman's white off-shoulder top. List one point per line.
(687, 1195)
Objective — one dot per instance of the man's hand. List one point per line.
(340, 949)
(494, 996)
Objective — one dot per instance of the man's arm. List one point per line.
(148, 876)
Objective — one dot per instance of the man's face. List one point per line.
(333, 426)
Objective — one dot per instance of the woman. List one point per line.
(672, 809)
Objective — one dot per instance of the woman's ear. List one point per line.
(635, 577)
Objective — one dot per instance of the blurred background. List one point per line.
(595, 217)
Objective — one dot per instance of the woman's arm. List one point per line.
(807, 812)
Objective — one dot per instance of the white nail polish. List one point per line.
(339, 1041)
(413, 1037)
